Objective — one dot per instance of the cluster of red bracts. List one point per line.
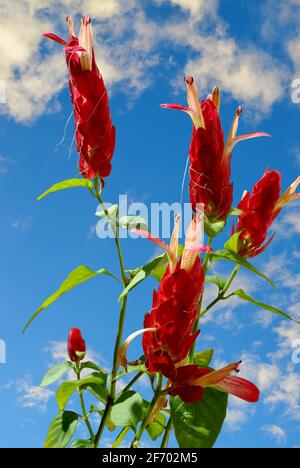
(210, 158)
(259, 210)
(173, 315)
(169, 334)
(76, 345)
(94, 131)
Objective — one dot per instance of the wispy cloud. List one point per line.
(128, 39)
(275, 432)
(21, 224)
(4, 163)
(32, 396)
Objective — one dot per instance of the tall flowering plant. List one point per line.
(190, 396)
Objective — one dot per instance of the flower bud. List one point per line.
(76, 345)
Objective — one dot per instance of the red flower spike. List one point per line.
(260, 208)
(94, 131)
(76, 344)
(210, 158)
(168, 328)
(173, 314)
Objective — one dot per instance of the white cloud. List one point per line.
(275, 432)
(4, 162)
(239, 413)
(287, 333)
(287, 394)
(194, 7)
(32, 396)
(288, 224)
(263, 374)
(21, 224)
(128, 45)
(263, 318)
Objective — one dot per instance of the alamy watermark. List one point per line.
(296, 91)
(2, 352)
(296, 353)
(2, 92)
(156, 218)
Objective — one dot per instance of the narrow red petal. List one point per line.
(240, 388)
(55, 38)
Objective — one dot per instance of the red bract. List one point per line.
(173, 314)
(76, 344)
(169, 326)
(260, 208)
(94, 132)
(190, 382)
(210, 158)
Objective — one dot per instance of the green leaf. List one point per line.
(75, 278)
(97, 387)
(203, 358)
(65, 392)
(156, 268)
(199, 424)
(66, 389)
(233, 243)
(235, 212)
(236, 259)
(128, 410)
(55, 373)
(93, 366)
(130, 369)
(99, 391)
(242, 295)
(99, 377)
(130, 222)
(217, 280)
(142, 273)
(213, 229)
(67, 184)
(82, 444)
(157, 427)
(61, 430)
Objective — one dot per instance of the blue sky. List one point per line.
(143, 49)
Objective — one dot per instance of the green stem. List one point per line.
(121, 437)
(221, 295)
(113, 385)
(132, 382)
(157, 394)
(166, 437)
(84, 412)
(115, 231)
(102, 426)
(230, 279)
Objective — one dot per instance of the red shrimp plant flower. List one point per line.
(94, 131)
(76, 345)
(168, 328)
(259, 209)
(210, 158)
(168, 333)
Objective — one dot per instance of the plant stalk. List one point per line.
(167, 433)
(84, 412)
(157, 394)
(113, 384)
